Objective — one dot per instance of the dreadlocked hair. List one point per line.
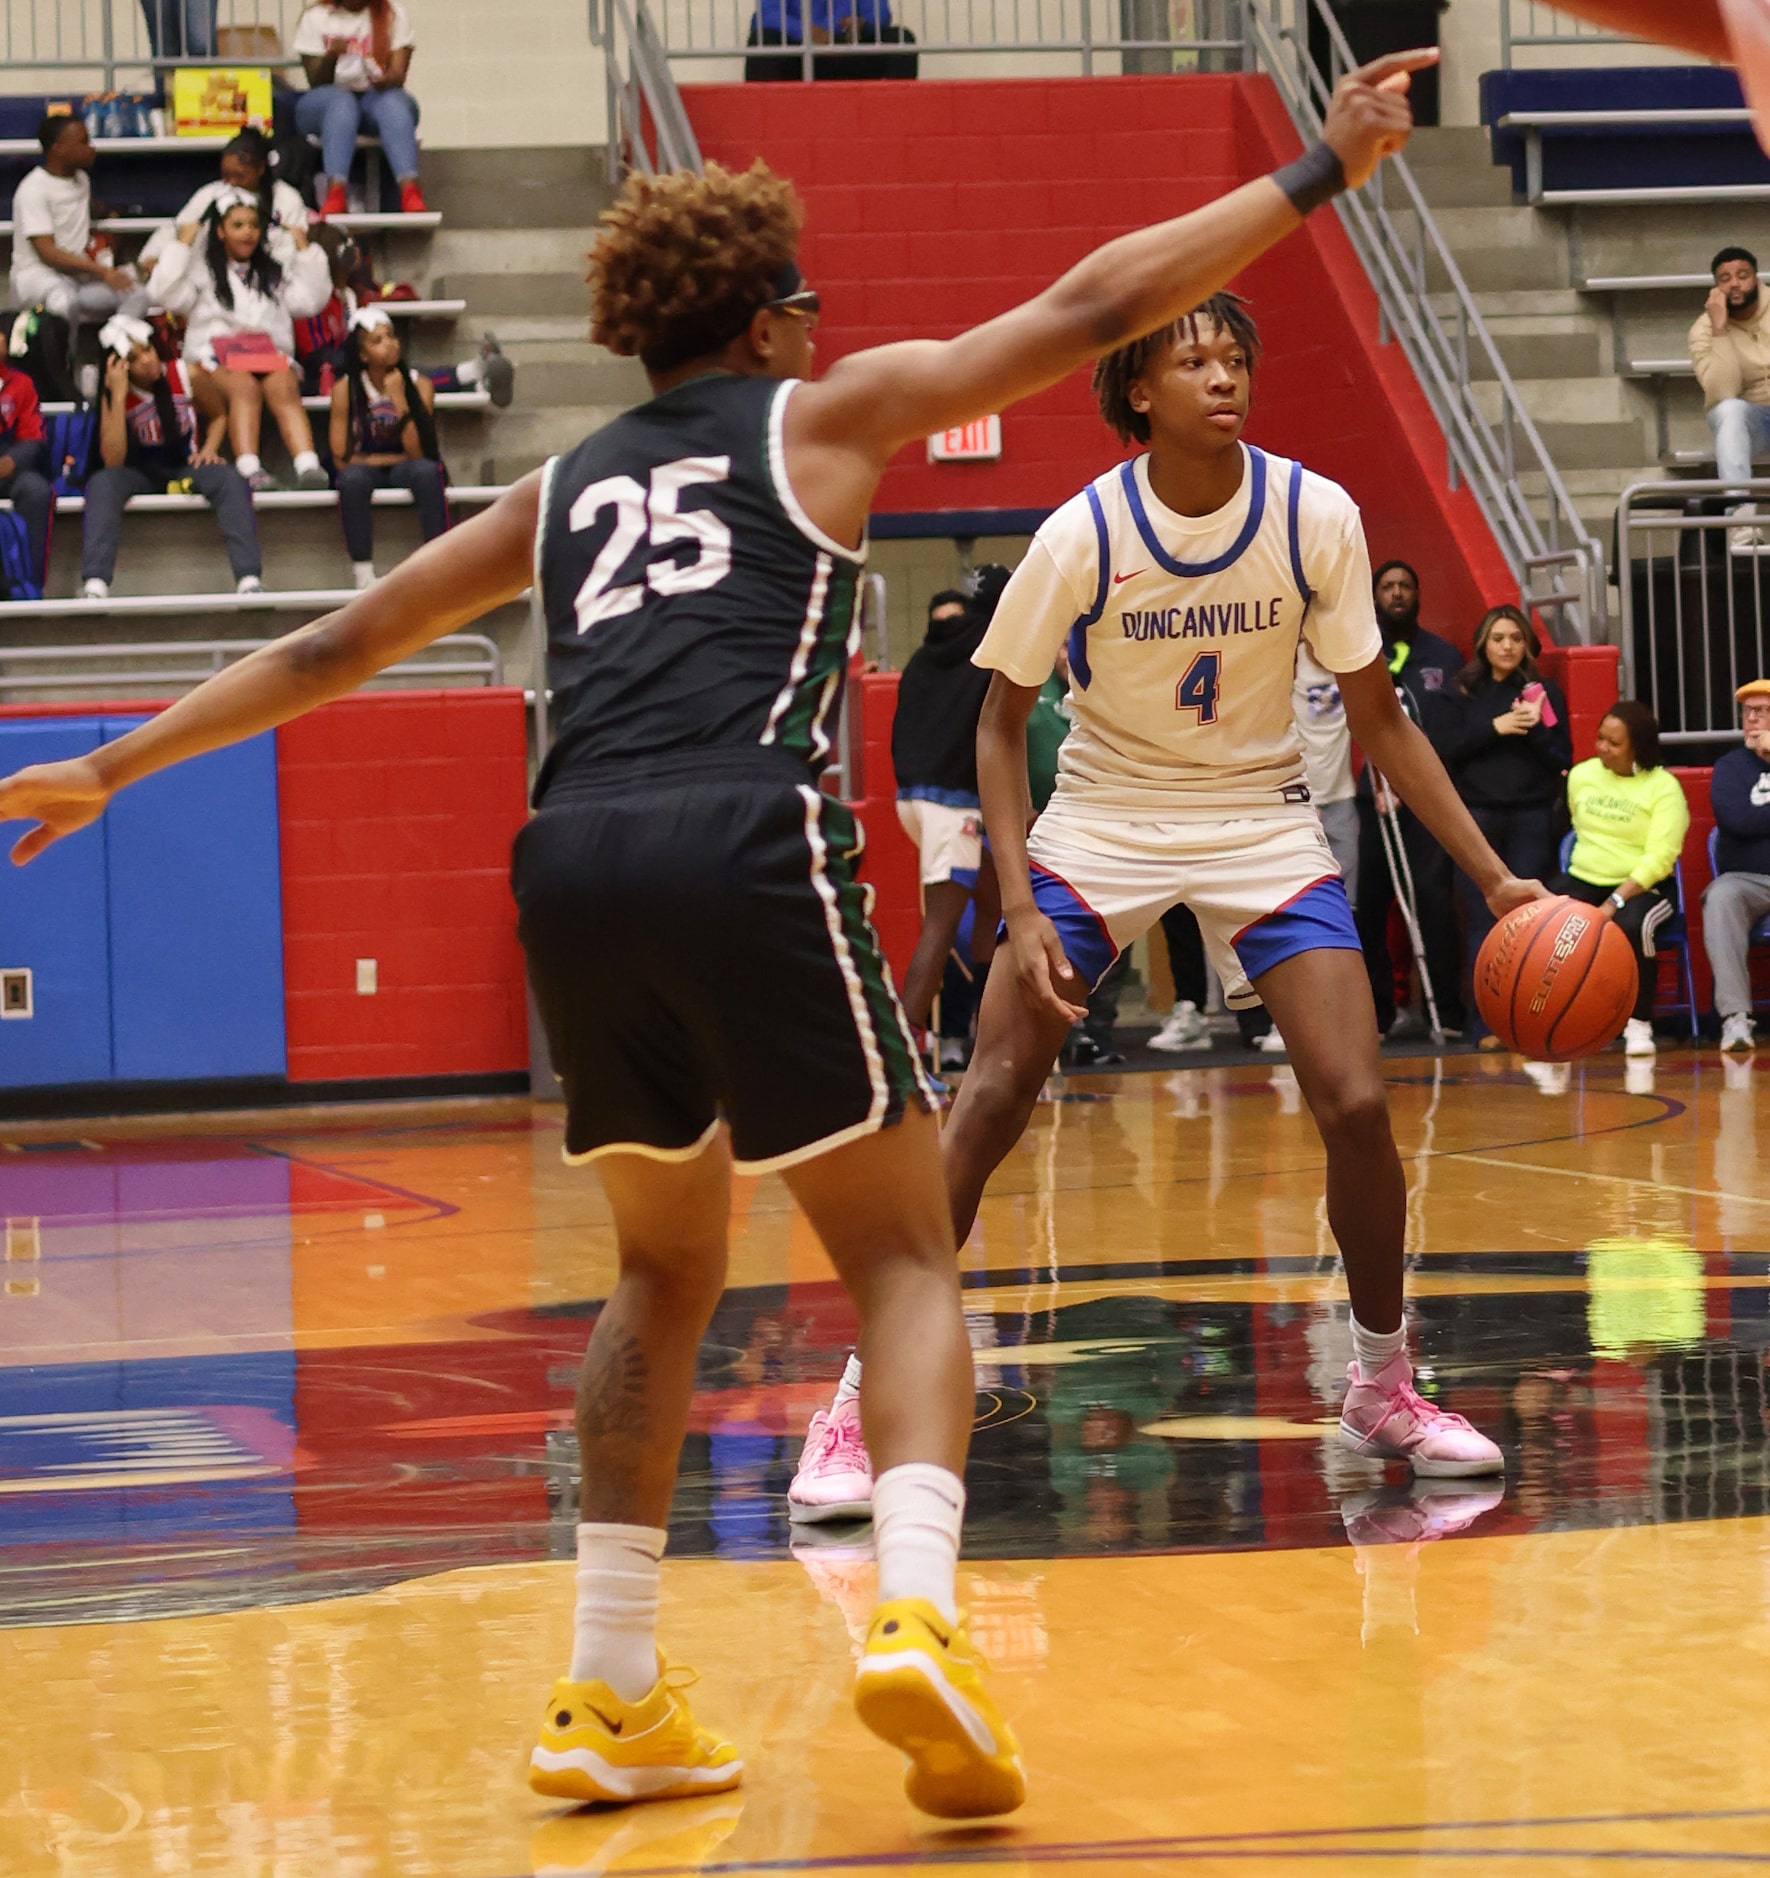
(262, 271)
(684, 261)
(1118, 371)
(418, 413)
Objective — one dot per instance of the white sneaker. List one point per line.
(1272, 1043)
(1736, 1032)
(363, 572)
(249, 584)
(96, 590)
(1638, 1038)
(1185, 1029)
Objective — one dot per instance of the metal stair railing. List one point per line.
(648, 127)
(1538, 23)
(1489, 457)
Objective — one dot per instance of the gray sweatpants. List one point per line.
(1339, 822)
(219, 484)
(1732, 904)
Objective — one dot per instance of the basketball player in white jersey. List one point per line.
(1184, 584)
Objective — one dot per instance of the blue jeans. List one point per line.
(334, 115)
(1741, 431)
(181, 29)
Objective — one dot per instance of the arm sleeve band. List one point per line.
(1316, 177)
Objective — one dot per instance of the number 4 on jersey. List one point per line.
(1197, 691)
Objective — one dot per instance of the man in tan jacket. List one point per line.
(1730, 348)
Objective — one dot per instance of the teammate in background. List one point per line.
(1185, 583)
(698, 560)
(934, 755)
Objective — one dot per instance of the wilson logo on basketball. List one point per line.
(1566, 944)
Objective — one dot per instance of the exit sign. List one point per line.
(977, 442)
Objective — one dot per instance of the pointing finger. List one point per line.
(1396, 65)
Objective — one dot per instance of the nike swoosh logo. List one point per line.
(614, 1727)
(1119, 579)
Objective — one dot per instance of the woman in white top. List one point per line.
(232, 288)
(357, 54)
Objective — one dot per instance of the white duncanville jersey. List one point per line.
(1183, 634)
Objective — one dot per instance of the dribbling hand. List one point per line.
(1047, 979)
(1513, 892)
(60, 798)
(1369, 117)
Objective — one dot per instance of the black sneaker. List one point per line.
(1085, 1053)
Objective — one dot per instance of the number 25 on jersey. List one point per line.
(1197, 691)
(651, 515)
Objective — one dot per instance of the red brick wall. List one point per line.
(397, 811)
(933, 205)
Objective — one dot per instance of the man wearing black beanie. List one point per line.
(1423, 666)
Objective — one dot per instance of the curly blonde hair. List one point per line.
(684, 261)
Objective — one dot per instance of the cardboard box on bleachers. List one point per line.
(216, 100)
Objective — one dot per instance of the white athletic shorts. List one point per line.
(949, 839)
(1264, 886)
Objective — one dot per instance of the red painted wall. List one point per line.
(934, 205)
(397, 812)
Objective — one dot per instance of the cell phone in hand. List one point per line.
(1535, 694)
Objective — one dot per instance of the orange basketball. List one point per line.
(1555, 981)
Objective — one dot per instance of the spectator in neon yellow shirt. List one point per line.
(1629, 823)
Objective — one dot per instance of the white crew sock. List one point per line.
(470, 371)
(247, 464)
(1371, 1349)
(307, 460)
(614, 1639)
(848, 1389)
(364, 571)
(918, 1510)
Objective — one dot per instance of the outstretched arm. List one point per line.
(453, 580)
(1398, 747)
(849, 424)
(1694, 25)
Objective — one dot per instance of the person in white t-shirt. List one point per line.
(1185, 582)
(356, 54)
(54, 258)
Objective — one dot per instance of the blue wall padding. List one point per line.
(197, 918)
(52, 919)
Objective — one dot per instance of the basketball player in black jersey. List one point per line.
(696, 936)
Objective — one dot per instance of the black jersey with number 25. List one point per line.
(693, 609)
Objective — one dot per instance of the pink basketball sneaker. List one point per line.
(1386, 1419)
(835, 1477)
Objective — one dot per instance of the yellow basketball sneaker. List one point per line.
(594, 1746)
(921, 1687)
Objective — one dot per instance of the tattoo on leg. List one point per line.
(612, 1390)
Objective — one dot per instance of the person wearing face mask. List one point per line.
(151, 439)
(1629, 823)
(1423, 667)
(1503, 736)
(1739, 895)
(239, 300)
(1730, 348)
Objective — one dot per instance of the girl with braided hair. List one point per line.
(383, 437)
(241, 302)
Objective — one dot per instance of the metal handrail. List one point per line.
(110, 36)
(1563, 30)
(642, 94)
(477, 657)
(1485, 455)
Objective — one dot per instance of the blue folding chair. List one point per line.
(1673, 936)
(1760, 933)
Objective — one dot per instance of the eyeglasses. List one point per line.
(804, 305)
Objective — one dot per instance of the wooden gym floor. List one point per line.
(286, 1495)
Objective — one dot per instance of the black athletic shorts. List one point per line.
(700, 949)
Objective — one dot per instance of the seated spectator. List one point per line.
(151, 442)
(1739, 895)
(834, 23)
(321, 343)
(55, 260)
(24, 459)
(245, 167)
(934, 754)
(383, 437)
(239, 300)
(1730, 348)
(356, 54)
(1629, 823)
(1503, 735)
(1424, 666)
(181, 29)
